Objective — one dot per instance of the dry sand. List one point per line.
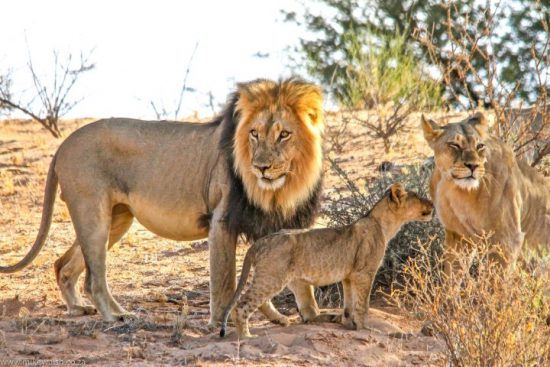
(165, 283)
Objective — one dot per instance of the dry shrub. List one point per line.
(487, 316)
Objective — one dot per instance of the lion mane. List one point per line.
(254, 212)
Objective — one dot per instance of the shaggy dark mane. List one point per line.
(243, 217)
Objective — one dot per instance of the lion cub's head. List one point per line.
(460, 151)
(277, 143)
(407, 206)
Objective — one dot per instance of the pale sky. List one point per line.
(142, 48)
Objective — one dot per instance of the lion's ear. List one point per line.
(397, 193)
(431, 130)
(311, 105)
(479, 122)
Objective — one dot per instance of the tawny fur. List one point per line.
(269, 109)
(502, 197)
(171, 176)
(351, 254)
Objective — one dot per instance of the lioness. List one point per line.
(251, 171)
(479, 188)
(351, 254)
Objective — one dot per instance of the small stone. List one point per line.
(428, 329)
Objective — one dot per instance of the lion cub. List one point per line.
(351, 254)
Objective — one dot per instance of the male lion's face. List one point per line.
(460, 151)
(277, 143)
(272, 139)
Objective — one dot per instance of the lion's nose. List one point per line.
(471, 166)
(262, 167)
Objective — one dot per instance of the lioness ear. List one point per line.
(431, 130)
(479, 122)
(397, 193)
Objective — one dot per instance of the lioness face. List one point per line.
(460, 151)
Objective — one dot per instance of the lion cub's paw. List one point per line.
(283, 321)
(82, 311)
(126, 317)
(213, 325)
(247, 336)
(349, 324)
(327, 317)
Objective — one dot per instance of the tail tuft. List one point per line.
(222, 332)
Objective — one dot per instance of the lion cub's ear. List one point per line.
(479, 122)
(431, 130)
(397, 193)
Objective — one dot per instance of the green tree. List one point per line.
(510, 30)
(382, 71)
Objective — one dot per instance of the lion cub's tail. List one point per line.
(247, 264)
(47, 211)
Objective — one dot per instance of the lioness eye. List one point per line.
(284, 134)
(254, 133)
(480, 146)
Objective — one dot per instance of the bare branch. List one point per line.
(525, 128)
(184, 85)
(53, 96)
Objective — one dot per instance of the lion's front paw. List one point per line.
(79, 310)
(247, 336)
(349, 323)
(213, 325)
(283, 321)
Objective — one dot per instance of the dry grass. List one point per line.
(166, 282)
(486, 316)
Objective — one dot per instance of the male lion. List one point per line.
(253, 170)
(322, 256)
(479, 188)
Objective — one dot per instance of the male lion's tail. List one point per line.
(47, 211)
(247, 264)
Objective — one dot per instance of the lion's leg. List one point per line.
(273, 314)
(69, 266)
(305, 299)
(67, 271)
(91, 218)
(361, 299)
(347, 320)
(361, 296)
(120, 223)
(261, 290)
(223, 267)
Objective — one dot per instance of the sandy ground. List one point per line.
(165, 283)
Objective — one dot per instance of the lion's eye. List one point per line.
(254, 133)
(284, 135)
(454, 146)
(480, 146)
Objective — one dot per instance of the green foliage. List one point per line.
(384, 70)
(509, 31)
